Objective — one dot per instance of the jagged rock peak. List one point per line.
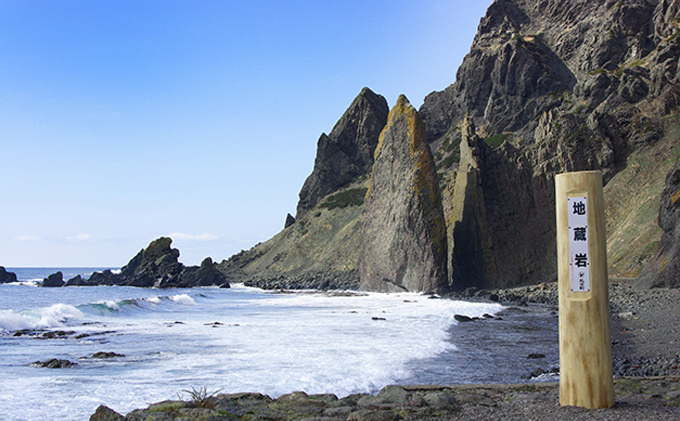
(347, 152)
(403, 245)
(290, 220)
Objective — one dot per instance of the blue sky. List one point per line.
(124, 121)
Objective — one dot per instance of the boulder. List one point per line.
(7, 277)
(347, 152)
(54, 280)
(663, 270)
(104, 413)
(76, 281)
(54, 363)
(403, 244)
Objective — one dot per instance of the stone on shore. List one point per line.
(403, 244)
(104, 413)
(204, 275)
(152, 265)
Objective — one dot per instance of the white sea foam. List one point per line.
(42, 318)
(153, 300)
(238, 340)
(183, 299)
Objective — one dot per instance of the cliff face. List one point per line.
(555, 86)
(347, 152)
(403, 236)
(548, 86)
(663, 270)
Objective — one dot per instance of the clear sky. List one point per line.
(123, 121)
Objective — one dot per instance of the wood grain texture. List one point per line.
(585, 337)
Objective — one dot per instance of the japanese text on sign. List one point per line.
(579, 265)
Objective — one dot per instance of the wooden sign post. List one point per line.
(586, 378)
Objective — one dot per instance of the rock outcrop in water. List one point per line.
(403, 235)
(157, 266)
(54, 280)
(7, 277)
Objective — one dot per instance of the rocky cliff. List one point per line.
(403, 235)
(320, 247)
(555, 86)
(347, 152)
(663, 270)
(548, 86)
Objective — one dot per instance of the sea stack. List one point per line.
(403, 245)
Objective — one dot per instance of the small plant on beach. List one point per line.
(200, 397)
(171, 407)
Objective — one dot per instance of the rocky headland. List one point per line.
(547, 87)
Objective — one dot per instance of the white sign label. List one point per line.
(579, 259)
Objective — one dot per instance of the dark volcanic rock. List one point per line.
(347, 152)
(106, 277)
(54, 280)
(290, 220)
(104, 413)
(205, 275)
(54, 363)
(156, 263)
(502, 220)
(157, 266)
(76, 281)
(403, 245)
(664, 268)
(7, 277)
(106, 355)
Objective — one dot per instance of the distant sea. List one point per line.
(240, 339)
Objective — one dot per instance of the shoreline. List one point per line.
(655, 398)
(646, 354)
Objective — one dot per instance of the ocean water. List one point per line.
(234, 340)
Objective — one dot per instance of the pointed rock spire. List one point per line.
(403, 246)
(347, 152)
